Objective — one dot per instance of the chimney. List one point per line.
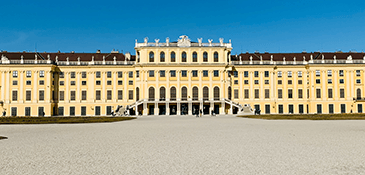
(98, 51)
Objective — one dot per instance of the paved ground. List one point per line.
(185, 145)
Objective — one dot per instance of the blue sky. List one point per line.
(86, 26)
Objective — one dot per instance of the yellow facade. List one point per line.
(182, 77)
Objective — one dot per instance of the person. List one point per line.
(200, 112)
(4, 113)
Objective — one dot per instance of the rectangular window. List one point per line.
(235, 73)
(318, 93)
(343, 108)
(109, 74)
(266, 73)
(83, 74)
(330, 109)
(130, 82)
(257, 94)
(29, 73)
(291, 109)
(245, 73)
(280, 74)
(216, 73)
(28, 82)
(267, 93)
(290, 82)
(307, 93)
(108, 110)
(183, 73)
(109, 95)
(83, 110)
(290, 93)
(151, 73)
(290, 73)
(256, 81)
(281, 109)
(301, 109)
(120, 82)
(358, 81)
(359, 108)
(329, 81)
(60, 111)
(73, 95)
(73, 83)
(342, 93)
(300, 82)
(62, 83)
(83, 83)
(108, 82)
(120, 94)
(97, 110)
(266, 81)
(245, 81)
(130, 74)
(62, 74)
(342, 81)
(318, 81)
(41, 73)
(83, 95)
(15, 96)
(98, 74)
(73, 74)
(247, 95)
(256, 73)
(15, 82)
(120, 74)
(162, 73)
(15, 74)
(137, 73)
(236, 93)
(318, 73)
(72, 110)
(130, 94)
(280, 93)
(205, 73)
(62, 95)
(14, 111)
(329, 73)
(98, 95)
(41, 95)
(173, 73)
(280, 82)
(27, 111)
(98, 82)
(358, 73)
(195, 73)
(341, 73)
(330, 94)
(300, 74)
(300, 93)
(41, 82)
(267, 109)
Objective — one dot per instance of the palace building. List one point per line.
(180, 78)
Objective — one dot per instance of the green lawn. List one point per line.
(52, 120)
(307, 117)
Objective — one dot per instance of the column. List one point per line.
(78, 83)
(67, 90)
(178, 112)
(21, 83)
(115, 94)
(324, 89)
(156, 109)
(91, 84)
(35, 84)
(145, 110)
(167, 106)
(262, 91)
(211, 108)
(103, 89)
(190, 106)
(3, 84)
(251, 82)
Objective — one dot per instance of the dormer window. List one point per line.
(183, 57)
(152, 57)
(195, 57)
(216, 57)
(162, 57)
(205, 57)
(173, 57)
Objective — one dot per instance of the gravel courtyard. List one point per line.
(185, 145)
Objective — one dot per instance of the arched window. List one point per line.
(205, 93)
(195, 93)
(162, 57)
(137, 93)
(216, 93)
(183, 57)
(172, 94)
(216, 57)
(184, 94)
(162, 93)
(151, 92)
(195, 57)
(152, 57)
(205, 57)
(230, 93)
(173, 57)
(358, 93)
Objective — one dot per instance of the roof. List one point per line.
(298, 56)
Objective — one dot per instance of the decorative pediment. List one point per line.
(184, 41)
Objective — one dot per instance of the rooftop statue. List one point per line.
(184, 41)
